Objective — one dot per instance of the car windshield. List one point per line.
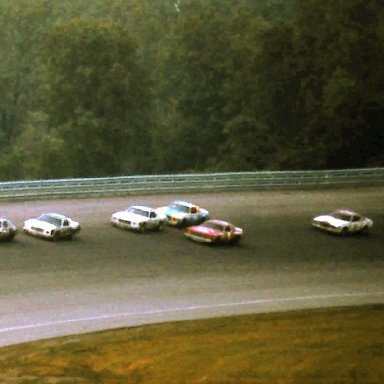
(341, 216)
(50, 219)
(210, 224)
(179, 207)
(138, 211)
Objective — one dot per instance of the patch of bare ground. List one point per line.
(322, 346)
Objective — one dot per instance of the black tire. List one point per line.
(142, 228)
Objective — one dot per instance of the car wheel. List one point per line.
(55, 236)
(160, 226)
(142, 228)
(344, 231)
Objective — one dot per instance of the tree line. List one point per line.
(103, 88)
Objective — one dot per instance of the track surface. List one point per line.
(107, 277)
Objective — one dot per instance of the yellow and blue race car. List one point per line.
(183, 214)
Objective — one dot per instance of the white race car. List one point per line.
(342, 222)
(138, 218)
(51, 226)
(7, 229)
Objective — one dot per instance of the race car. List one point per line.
(214, 232)
(138, 218)
(51, 226)
(183, 214)
(7, 229)
(342, 222)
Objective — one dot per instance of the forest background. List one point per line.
(94, 88)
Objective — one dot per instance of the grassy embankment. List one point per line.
(330, 346)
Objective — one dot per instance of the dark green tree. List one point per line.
(99, 98)
(338, 51)
(198, 63)
(21, 42)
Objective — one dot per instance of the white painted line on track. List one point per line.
(190, 308)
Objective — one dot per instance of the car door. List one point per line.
(65, 229)
(6, 227)
(194, 215)
(152, 220)
(356, 223)
(228, 233)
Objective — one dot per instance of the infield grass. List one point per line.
(327, 346)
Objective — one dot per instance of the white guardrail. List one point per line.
(200, 182)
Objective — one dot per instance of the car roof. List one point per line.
(2, 218)
(185, 203)
(142, 207)
(55, 215)
(219, 222)
(346, 212)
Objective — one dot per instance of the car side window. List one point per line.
(152, 215)
(193, 210)
(356, 218)
(65, 223)
(228, 229)
(5, 224)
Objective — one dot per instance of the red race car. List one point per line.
(214, 232)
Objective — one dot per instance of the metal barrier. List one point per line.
(201, 182)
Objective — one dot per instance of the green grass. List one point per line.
(327, 346)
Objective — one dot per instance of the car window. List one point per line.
(50, 219)
(65, 223)
(193, 210)
(179, 207)
(342, 216)
(152, 215)
(210, 224)
(138, 211)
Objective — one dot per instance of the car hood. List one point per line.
(129, 216)
(40, 224)
(200, 229)
(175, 213)
(337, 223)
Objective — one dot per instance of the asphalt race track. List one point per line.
(108, 277)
